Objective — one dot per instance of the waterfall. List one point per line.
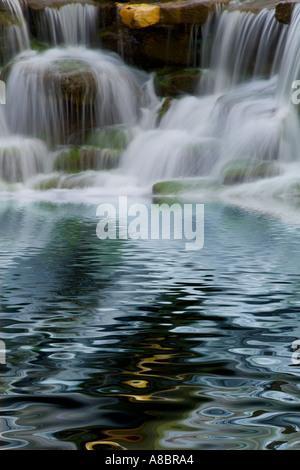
(71, 24)
(245, 45)
(241, 126)
(13, 30)
(290, 69)
(21, 159)
(238, 132)
(63, 91)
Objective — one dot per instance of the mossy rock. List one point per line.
(6, 19)
(240, 171)
(86, 158)
(38, 46)
(51, 182)
(176, 187)
(164, 108)
(11, 164)
(116, 137)
(75, 79)
(176, 82)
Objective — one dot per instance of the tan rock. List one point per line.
(136, 15)
(139, 15)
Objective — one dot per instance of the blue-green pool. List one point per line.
(142, 344)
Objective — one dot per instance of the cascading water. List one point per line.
(63, 91)
(241, 127)
(21, 159)
(13, 30)
(106, 337)
(245, 46)
(290, 66)
(69, 24)
(238, 122)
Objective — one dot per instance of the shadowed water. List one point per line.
(142, 344)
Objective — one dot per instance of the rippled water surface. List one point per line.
(144, 345)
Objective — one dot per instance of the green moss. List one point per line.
(86, 158)
(38, 46)
(116, 137)
(46, 184)
(174, 82)
(176, 187)
(239, 171)
(7, 19)
(165, 107)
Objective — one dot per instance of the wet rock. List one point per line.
(177, 187)
(12, 31)
(165, 107)
(283, 12)
(42, 4)
(86, 158)
(21, 159)
(107, 12)
(177, 82)
(240, 171)
(150, 48)
(114, 137)
(137, 15)
(253, 6)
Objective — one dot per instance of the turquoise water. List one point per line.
(142, 344)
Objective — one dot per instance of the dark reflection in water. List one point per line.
(143, 345)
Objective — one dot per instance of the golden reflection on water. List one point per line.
(115, 445)
(137, 383)
(141, 380)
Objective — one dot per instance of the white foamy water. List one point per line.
(71, 24)
(15, 35)
(53, 93)
(242, 117)
(240, 120)
(21, 158)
